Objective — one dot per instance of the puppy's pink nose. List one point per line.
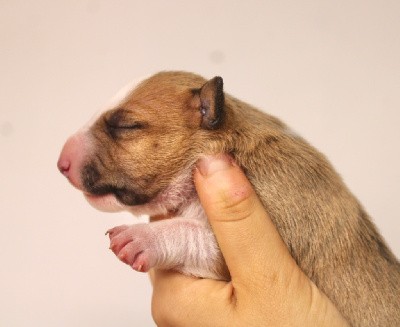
(63, 166)
(71, 159)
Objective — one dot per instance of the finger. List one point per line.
(151, 276)
(249, 241)
(180, 300)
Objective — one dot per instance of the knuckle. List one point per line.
(237, 204)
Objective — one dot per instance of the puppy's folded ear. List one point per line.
(210, 103)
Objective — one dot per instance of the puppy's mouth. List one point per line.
(93, 187)
(123, 195)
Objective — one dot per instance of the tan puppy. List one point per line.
(139, 156)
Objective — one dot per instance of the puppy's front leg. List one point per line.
(185, 245)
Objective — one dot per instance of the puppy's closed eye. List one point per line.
(122, 121)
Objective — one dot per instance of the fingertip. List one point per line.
(211, 164)
(151, 276)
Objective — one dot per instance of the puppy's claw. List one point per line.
(133, 245)
(122, 257)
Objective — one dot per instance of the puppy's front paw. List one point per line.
(135, 245)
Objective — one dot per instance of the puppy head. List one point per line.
(139, 153)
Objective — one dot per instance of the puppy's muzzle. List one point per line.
(71, 159)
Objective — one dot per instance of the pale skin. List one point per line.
(267, 286)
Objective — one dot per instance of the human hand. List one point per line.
(267, 286)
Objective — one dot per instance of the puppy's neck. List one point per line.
(171, 201)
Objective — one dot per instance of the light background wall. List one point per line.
(329, 68)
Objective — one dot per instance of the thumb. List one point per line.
(249, 241)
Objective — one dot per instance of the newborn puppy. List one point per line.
(139, 156)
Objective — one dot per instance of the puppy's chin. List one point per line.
(106, 203)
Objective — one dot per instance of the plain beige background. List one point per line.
(328, 68)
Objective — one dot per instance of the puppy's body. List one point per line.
(139, 157)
